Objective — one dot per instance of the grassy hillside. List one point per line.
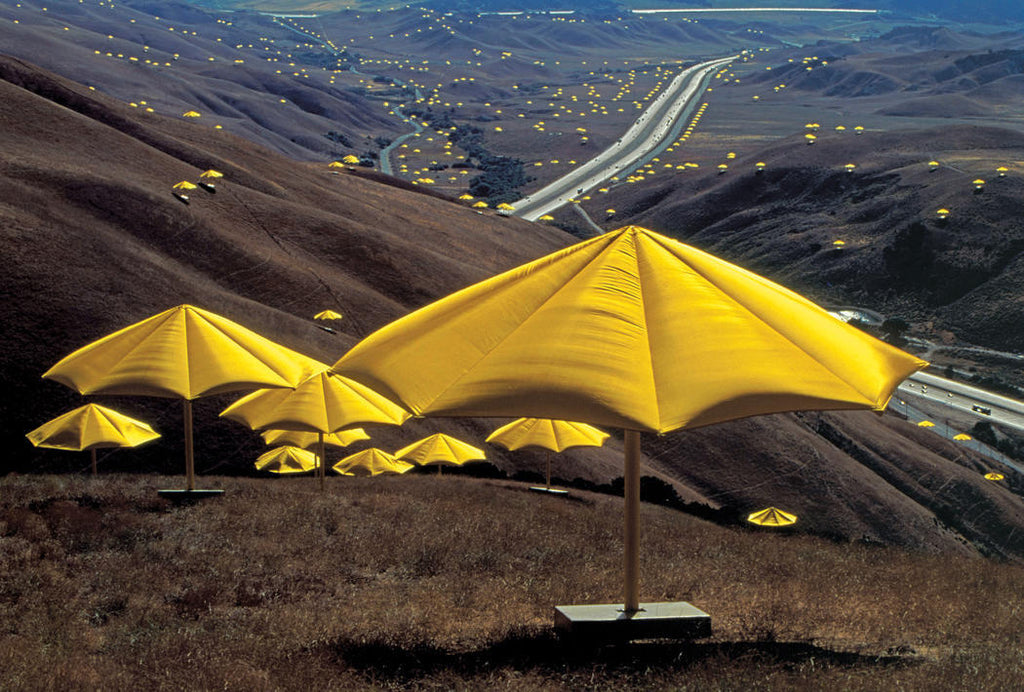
(426, 583)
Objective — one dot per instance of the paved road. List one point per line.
(649, 131)
(1006, 412)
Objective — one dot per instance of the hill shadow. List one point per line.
(545, 652)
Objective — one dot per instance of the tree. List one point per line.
(893, 330)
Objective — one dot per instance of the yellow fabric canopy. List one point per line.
(184, 352)
(440, 449)
(286, 459)
(993, 476)
(371, 462)
(342, 438)
(323, 403)
(556, 435)
(772, 517)
(328, 315)
(91, 427)
(629, 329)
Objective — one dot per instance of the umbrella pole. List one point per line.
(549, 472)
(439, 467)
(322, 470)
(631, 477)
(93, 454)
(190, 482)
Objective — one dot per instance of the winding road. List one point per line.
(654, 128)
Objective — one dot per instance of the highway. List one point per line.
(980, 404)
(649, 131)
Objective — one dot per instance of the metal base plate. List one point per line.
(176, 495)
(608, 622)
(550, 491)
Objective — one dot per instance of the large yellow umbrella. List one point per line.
(371, 462)
(772, 517)
(556, 435)
(183, 353)
(323, 404)
(91, 427)
(629, 329)
(285, 460)
(327, 315)
(440, 449)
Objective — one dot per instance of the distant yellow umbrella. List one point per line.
(183, 353)
(926, 424)
(322, 404)
(505, 206)
(210, 174)
(286, 460)
(933, 165)
(371, 462)
(328, 315)
(629, 329)
(184, 185)
(466, 197)
(303, 439)
(91, 427)
(442, 450)
(480, 205)
(942, 213)
(760, 166)
(190, 114)
(838, 244)
(979, 184)
(350, 159)
(546, 217)
(993, 476)
(962, 437)
(772, 517)
(850, 167)
(335, 164)
(554, 435)
(1002, 171)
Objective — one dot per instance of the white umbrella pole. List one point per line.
(631, 476)
(322, 465)
(190, 482)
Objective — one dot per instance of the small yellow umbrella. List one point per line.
(322, 404)
(505, 206)
(554, 435)
(772, 517)
(993, 476)
(480, 204)
(962, 437)
(335, 164)
(926, 424)
(440, 449)
(183, 185)
(182, 353)
(91, 427)
(207, 178)
(546, 217)
(328, 315)
(350, 159)
(285, 460)
(190, 114)
(371, 462)
(299, 438)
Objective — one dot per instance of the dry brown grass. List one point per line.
(448, 583)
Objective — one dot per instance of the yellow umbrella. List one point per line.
(298, 438)
(772, 517)
(480, 205)
(328, 315)
(629, 329)
(926, 424)
(370, 462)
(285, 460)
(91, 427)
(184, 185)
(440, 449)
(324, 403)
(555, 435)
(961, 437)
(207, 178)
(190, 114)
(350, 159)
(993, 476)
(181, 353)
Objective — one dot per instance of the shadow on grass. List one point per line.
(544, 652)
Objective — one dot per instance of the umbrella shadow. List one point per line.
(545, 652)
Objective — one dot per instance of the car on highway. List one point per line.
(982, 409)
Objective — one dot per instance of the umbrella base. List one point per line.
(608, 622)
(181, 496)
(550, 491)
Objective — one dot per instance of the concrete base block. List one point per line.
(672, 620)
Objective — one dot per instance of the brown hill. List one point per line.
(95, 241)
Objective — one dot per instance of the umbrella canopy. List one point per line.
(184, 352)
(297, 438)
(286, 459)
(323, 404)
(629, 329)
(327, 315)
(961, 437)
(91, 427)
(371, 462)
(556, 435)
(993, 476)
(440, 449)
(926, 424)
(772, 517)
